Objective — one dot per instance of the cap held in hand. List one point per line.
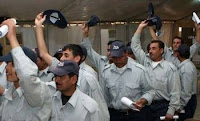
(55, 18)
(93, 21)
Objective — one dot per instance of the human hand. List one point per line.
(168, 117)
(143, 24)
(85, 29)
(11, 28)
(39, 20)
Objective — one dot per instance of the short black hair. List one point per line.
(76, 50)
(160, 43)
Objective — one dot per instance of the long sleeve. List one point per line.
(137, 49)
(35, 91)
(174, 92)
(94, 57)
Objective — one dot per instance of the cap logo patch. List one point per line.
(115, 47)
(54, 17)
(61, 64)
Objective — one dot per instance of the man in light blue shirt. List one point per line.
(28, 98)
(188, 77)
(69, 103)
(163, 76)
(125, 78)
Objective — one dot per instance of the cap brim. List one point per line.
(58, 71)
(6, 58)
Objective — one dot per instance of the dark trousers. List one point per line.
(157, 108)
(189, 109)
(130, 115)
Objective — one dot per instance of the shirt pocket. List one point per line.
(133, 90)
(111, 88)
(161, 83)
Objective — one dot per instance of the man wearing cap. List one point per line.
(69, 103)
(188, 77)
(87, 83)
(170, 52)
(28, 98)
(125, 78)
(163, 76)
(43, 68)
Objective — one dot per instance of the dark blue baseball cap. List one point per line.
(93, 21)
(28, 52)
(117, 49)
(55, 18)
(65, 67)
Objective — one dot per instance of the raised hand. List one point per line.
(39, 20)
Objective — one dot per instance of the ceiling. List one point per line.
(107, 10)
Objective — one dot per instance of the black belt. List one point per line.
(125, 112)
(159, 101)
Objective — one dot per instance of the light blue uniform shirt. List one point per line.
(45, 76)
(88, 84)
(130, 82)
(164, 77)
(32, 100)
(80, 107)
(188, 76)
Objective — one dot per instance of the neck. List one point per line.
(16, 84)
(181, 59)
(69, 92)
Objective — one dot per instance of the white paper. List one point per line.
(195, 18)
(129, 103)
(174, 117)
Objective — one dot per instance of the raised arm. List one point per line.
(196, 45)
(136, 44)
(152, 32)
(35, 91)
(40, 39)
(94, 57)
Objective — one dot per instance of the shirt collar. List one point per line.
(44, 71)
(183, 63)
(10, 91)
(161, 64)
(128, 65)
(2, 67)
(73, 100)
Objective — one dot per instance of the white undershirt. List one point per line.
(154, 64)
(121, 69)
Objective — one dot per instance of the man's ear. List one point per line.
(77, 58)
(162, 51)
(74, 79)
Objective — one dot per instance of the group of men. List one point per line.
(64, 88)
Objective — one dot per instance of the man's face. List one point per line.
(68, 55)
(120, 61)
(176, 44)
(11, 73)
(64, 83)
(155, 52)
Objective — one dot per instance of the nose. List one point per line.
(57, 79)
